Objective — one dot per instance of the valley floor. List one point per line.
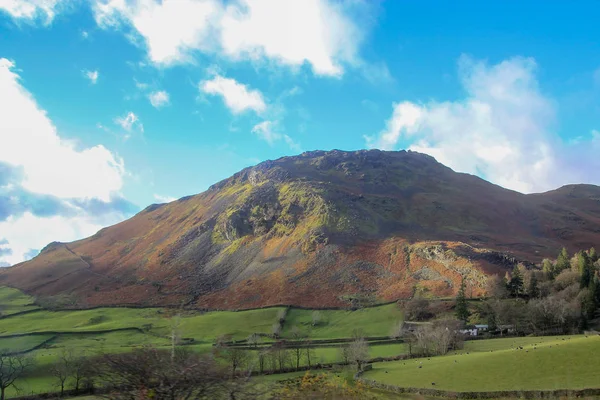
(558, 362)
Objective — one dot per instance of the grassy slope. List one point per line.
(22, 343)
(14, 301)
(555, 364)
(376, 321)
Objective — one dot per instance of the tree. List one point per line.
(254, 340)
(308, 351)
(496, 287)
(417, 309)
(276, 329)
(515, 286)
(153, 373)
(461, 309)
(548, 268)
(585, 266)
(593, 255)
(533, 290)
(397, 330)
(175, 333)
(297, 336)
(61, 370)
(358, 352)
(12, 367)
(563, 262)
(234, 356)
(316, 318)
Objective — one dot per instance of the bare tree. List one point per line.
(146, 371)
(236, 357)
(358, 352)
(175, 335)
(276, 329)
(254, 340)
(297, 336)
(316, 318)
(397, 330)
(437, 338)
(12, 367)
(308, 352)
(417, 309)
(61, 370)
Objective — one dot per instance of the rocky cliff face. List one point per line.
(318, 229)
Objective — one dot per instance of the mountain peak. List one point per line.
(313, 228)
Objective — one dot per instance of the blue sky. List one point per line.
(107, 106)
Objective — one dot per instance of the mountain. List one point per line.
(319, 229)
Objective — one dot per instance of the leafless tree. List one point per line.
(12, 367)
(417, 309)
(152, 372)
(397, 330)
(61, 370)
(358, 352)
(236, 357)
(297, 336)
(309, 352)
(276, 329)
(496, 287)
(316, 318)
(437, 338)
(254, 340)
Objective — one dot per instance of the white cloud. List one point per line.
(501, 131)
(31, 9)
(291, 32)
(267, 131)
(91, 75)
(27, 232)
(58, 171)
(85, 34)
(170, 29)
(129, 121)
(159, 99)
(237, 97)
(29, 140)
(320, 33)
(164, 199)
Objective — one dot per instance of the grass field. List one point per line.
(23, 343)
(491, 365)
(14, 301)
(375, 321)
(483, 365)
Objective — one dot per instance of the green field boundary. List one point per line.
(34, 348)
(19, 313)
(521, 394)
(82, 332)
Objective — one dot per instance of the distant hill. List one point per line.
(319, 229)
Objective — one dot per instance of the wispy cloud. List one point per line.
(159, 99)
(236, 96)
(91, 75)
(502, 130)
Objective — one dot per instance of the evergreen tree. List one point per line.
(548, 268)
(585, 269)
(593, 255)
(533, 290)
(595, 289)
(462, 310)
(515, 285)
(562, 262)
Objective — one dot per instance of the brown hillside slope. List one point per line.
(318, 229)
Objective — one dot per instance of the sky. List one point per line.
(108, 106)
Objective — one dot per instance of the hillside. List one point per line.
(319, 229)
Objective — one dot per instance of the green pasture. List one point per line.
(492, 365)
(14, 301)
(374, 321)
